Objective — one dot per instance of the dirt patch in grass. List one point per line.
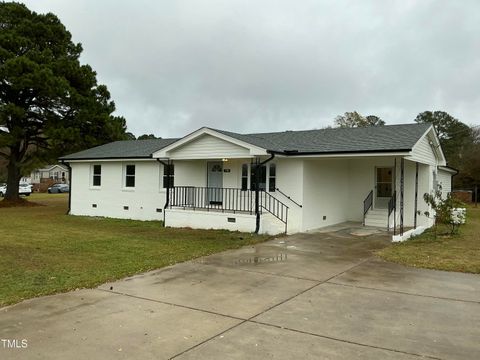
(460, 252)
(18, 203)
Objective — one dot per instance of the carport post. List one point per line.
(395, 205)
(402, 180)
(416, 197)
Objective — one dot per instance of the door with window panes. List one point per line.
(383, 186)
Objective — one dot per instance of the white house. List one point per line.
(276, 182)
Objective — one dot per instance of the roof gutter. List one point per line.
(304, 153)
(108, 158)
(449, 169)
(167, 196)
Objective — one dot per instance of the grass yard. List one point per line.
(452, 253)
(43, 251)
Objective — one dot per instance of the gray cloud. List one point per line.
(173, 66)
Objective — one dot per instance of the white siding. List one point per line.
(111, 197)
(444, 179)
(190, 173)
(289, 181)
(423, 152)
(325, 185)
(208, 147)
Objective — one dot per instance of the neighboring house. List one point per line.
(57, 173)
(271, 182)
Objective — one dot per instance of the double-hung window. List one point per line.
(168, 176)
(130, 176)
(244, 177)
(272, 174)
(97, 175)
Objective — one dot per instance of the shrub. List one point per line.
(448, 211)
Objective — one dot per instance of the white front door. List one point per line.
(383, 186)
(215, 182)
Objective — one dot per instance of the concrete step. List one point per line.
(382, 224)
(377, 211)
(376, 221)
(376, 216)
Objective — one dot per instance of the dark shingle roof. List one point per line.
(327, 141)
(338, 140)
(122, 150)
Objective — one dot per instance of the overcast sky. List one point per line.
(249, 66)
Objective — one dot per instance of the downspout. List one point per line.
(257, 178)
(167, 197)
(70, 180)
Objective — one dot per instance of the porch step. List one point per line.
(376, 217)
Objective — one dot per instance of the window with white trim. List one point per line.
(272, 175)
(244, 177)
(168, 176)
(130, 176)
(96, 175)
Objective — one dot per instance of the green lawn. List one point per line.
(459, 252)
(43, 251)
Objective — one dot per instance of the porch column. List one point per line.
(416, 197)
(402, 180)
(395, 195)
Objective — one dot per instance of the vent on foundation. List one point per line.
(159, 210)
(232, 220)
(125, 208)
(94, 205)
(324, 217)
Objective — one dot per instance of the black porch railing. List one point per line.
(288, 197)
(274, 206)
(367, 204)
(210, 198)
(392, 205)
(230, 200)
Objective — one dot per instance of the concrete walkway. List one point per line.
(308, 296)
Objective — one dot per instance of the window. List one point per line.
(168, 174)
(272, 177)
(262, 178)
(130, 176)
(384, 182)
(244, 177)
(97, 175)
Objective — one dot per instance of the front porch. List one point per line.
(226, 208)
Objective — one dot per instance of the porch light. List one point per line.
(224, 159)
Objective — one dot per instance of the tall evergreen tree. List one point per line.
(455, 137)
(50, 104)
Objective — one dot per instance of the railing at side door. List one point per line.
(367, 205)
(392, 204)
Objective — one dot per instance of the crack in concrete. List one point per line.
(344, 341)
(261, 272)
(404, 293)
(171, 304)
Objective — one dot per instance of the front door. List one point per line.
(214, 182)
(383, 186)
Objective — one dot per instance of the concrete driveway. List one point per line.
(307, 296)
